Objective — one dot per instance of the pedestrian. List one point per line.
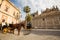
(29, 25)
(3, 24)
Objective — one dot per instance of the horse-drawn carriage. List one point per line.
(18, 26)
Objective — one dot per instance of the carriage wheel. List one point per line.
(8, 29)
(5, 30)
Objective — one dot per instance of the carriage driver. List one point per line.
(4, 24)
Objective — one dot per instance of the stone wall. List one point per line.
(47, 21)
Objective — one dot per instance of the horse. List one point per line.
(17, 26)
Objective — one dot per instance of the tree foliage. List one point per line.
(26, 9)
(28, 17)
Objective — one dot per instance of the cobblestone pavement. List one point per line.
(34, 35)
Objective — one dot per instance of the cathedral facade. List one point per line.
(48, 19)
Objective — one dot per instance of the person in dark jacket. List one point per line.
(29, 25)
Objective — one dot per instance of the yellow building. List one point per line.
(9, 12)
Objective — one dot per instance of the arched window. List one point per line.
(14, 14)
(43, 19)
(17, 15)
(6, 9)
(0, 5)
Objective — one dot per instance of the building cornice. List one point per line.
(7, 14)
(47, 14)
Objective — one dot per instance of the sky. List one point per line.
(35, 5)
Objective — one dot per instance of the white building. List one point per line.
(9, 12)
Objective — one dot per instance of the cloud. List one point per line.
(35, 4)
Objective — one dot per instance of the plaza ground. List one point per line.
(35, 34)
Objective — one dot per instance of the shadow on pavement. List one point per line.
(40, 32)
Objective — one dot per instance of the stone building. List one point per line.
(9, 12)
(35, 14)
(50, 18)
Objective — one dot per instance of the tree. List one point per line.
(26, 9)
(28, 18)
